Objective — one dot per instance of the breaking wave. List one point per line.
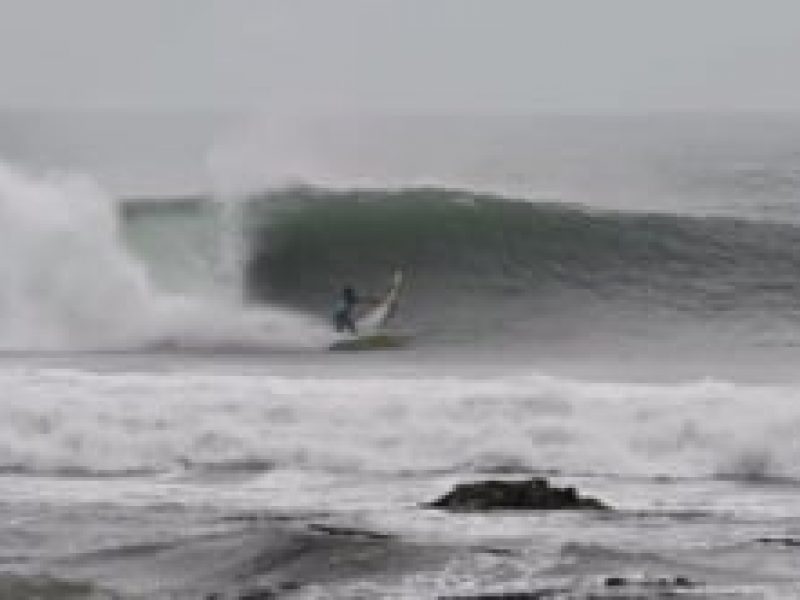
(78, 272)
(68, 281)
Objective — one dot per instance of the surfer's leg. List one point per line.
(351, 325)
(340, 320)
(343, 320)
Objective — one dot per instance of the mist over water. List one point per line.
(731, 165)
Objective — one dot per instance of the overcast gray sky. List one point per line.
(401, 56)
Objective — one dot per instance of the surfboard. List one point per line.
(378, 341)
(370, 336)
(371, 321)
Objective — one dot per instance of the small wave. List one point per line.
(599, 551)
(75, 472)
(243, 466)
(43, 587)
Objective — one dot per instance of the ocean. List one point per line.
(608, 302)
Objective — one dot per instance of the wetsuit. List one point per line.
(343, 315)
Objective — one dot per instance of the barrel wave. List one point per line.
(480, 263)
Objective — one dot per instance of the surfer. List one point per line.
(343, 315)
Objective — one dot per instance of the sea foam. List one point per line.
(65, 420)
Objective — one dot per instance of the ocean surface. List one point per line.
(611, 303)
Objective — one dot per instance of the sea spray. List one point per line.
(67, 282)
(229, 269)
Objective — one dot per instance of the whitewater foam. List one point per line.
(68, 282)
(57, 420)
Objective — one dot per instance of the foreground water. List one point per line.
(157, 475)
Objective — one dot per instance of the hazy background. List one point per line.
(140, 92)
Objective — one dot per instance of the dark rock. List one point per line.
(534, 494)
(616, 581)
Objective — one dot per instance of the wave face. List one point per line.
(480, 263)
